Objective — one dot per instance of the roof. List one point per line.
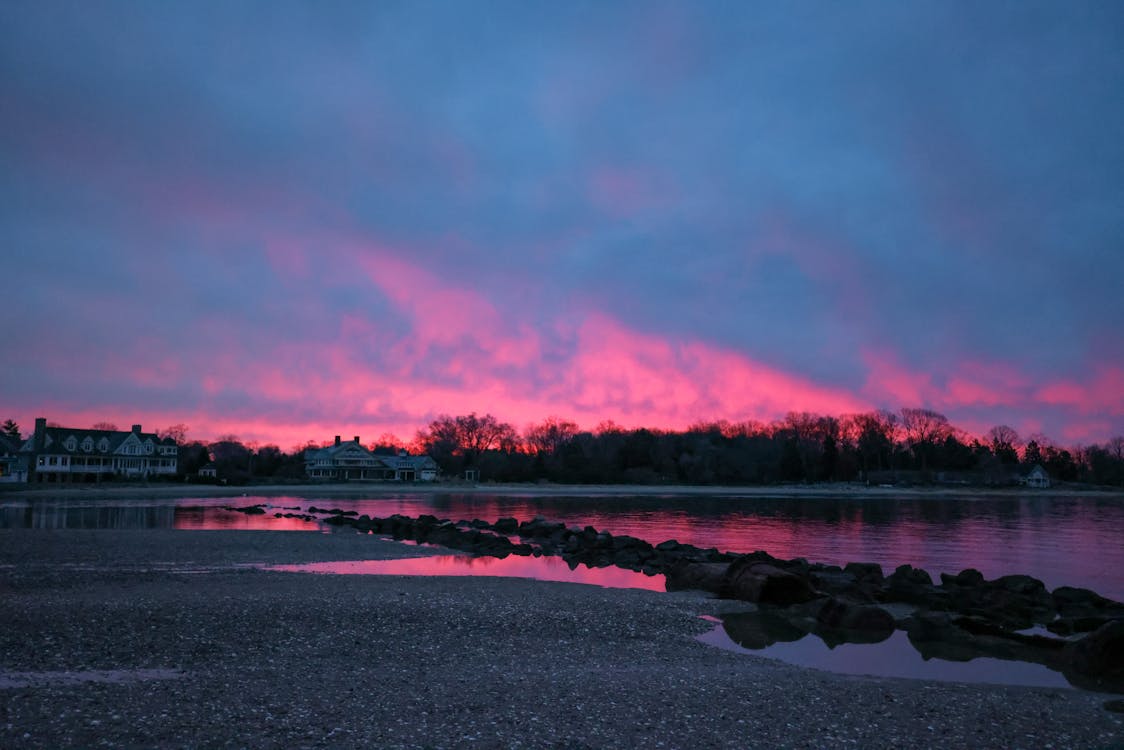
(55, 439)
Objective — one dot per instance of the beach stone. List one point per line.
(761, 582)
(506, 526)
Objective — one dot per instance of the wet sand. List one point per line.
(170, 639)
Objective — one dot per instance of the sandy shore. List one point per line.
(167, 639)
(377, 489)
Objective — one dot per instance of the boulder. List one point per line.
(506, 526)
(913, 586)
(968, 577)
(865, 572)
(1100, 654)
(703, 576)
(767, 584)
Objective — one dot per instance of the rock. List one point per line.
(871, 572)
(251, 510)
(703, 576)
(967, 577)
(1072, 625)
(913, 586)
(1023, 585)
(911, 575)
(1100, 654)
(761, 582)
(506, 526)
(842, 584)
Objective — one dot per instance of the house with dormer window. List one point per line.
(67, 454)
(349, 461)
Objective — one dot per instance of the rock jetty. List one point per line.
(962, 617)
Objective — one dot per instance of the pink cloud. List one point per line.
(451, 350)
(1103, 393)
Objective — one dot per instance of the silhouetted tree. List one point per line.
(873, 436)
(177, 432)
(924, 430)
(1004, 443)
(11, 429)
(548, 437)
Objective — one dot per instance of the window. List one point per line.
(87, 444)
(103, 445)
(71, 443)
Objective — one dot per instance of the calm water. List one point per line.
(1061, 540)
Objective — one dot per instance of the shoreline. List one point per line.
(308, 490)
(168, 639)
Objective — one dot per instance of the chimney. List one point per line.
(337, 439)
(357, 440)
(40, 433)
(136, 428)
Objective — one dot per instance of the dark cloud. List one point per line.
(873, 203)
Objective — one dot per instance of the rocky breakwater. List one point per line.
(963, 617)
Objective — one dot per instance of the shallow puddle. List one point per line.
(514, 566)
(893, 657)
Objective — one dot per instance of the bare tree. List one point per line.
(177, 432)
(109, 426)
(1004, 443)
(548, 437)
(924, 429)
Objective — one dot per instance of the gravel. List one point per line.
(172, 639)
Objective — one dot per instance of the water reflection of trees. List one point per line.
(60, 515)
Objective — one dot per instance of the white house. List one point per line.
(350, 461)
(1037, 477)
(74, 454)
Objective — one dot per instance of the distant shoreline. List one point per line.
(827, 491)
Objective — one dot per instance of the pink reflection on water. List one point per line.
(537, 568)
(217, 519)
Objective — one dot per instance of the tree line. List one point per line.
(918, 445)
(912, 445)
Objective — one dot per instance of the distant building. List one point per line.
(1036, 477)
(210, 471)
(13, 466)
(350, 461)
(72, 454)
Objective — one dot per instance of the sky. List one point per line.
(291, 220)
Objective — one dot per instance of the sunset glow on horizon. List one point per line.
(290, 222)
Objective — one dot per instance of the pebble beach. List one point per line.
(164, 638)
